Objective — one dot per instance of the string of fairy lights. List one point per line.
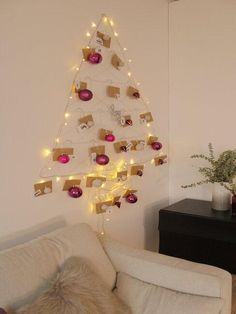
(115, 177)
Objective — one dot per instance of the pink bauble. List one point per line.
(110, 138)
(156, 145)
(102, 160)
(95, 58)
(63, 158)
(85, 94)
(131, 198)
(129, 122)
(75, 192)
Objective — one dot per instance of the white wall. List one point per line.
(202, 87)
(40, 42)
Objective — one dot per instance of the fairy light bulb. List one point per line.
(116, 34)
(129, 74)
(125, 49)
(71, 97)
(131, 161)
(58, 179)
(57, 140)
(130, 60)
(152, 161)
(67, 115)
(148, 125)
(65, 123)
(77, 68)
(93, 25)
(71, 177)
(111, 22)
(105, 19)
(88, 34)
(46, 152)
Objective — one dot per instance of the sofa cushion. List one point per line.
(77, 289)
(26, 270)
(145, 298)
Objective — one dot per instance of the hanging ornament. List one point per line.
(129, 122)
(156, 145)
(102, 159)
(85, 94)
(75, 192)
(110, 137)
(131, 198)
(95, 58)
(63, 158)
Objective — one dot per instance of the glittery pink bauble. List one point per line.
(95, 58)
(131, 198)
(110, 138)
(102, 159)
(75, 192)
(156, 145)
(129, 122)
(85, 94)
(63, 158)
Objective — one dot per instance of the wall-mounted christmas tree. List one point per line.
(106, 138)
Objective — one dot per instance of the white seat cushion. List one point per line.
(26, 270)
(145, 298)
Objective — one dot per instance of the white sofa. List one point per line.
(26, 270)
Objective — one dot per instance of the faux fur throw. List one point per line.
(77, 290)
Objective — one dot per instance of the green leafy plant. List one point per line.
(220, 170)
(230, 187)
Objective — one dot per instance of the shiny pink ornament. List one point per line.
(75, 192)
(129, 122)
(95, 58)
(110, 138)
(131, 198)
(156, 145)
(63, 158)
(85, 94)
(102, 160)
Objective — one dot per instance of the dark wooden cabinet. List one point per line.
(190, 229)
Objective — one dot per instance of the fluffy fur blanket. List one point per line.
(77, 290)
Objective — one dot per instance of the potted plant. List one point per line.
(220, 173)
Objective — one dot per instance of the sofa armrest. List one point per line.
(170, 272)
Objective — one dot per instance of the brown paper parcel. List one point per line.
(41, 187)
(70, 183)
(56, 152)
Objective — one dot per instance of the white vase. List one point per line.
(221, 198)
